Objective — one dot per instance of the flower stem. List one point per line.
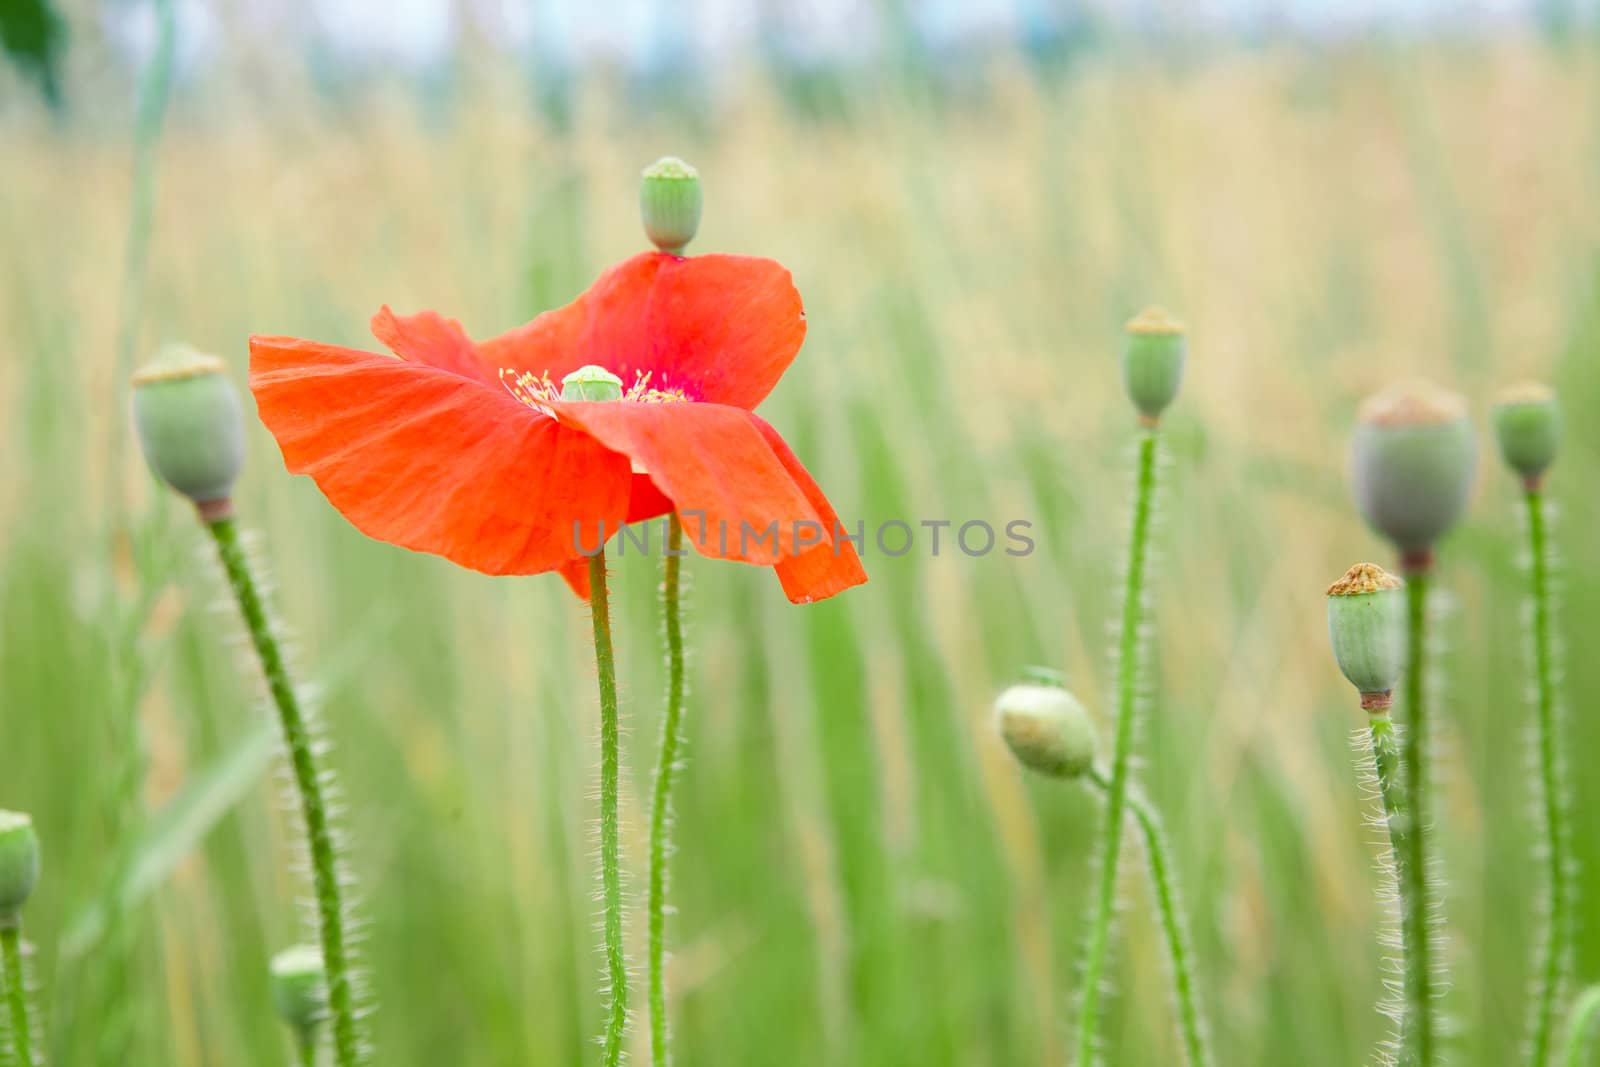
(1164, 889)
(1117, 788)
(1582, 1019)
(1386, 761)
(313, 808)
(306, 1042)
(610, 835)
(661, 812)
(1411, 862)
(1550, 969)
(15, 981)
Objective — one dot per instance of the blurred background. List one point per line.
(972, 198)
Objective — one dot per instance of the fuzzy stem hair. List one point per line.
(1398, 823)
(661, 809)
(347, 1044)
(610, 830)
(1550, 965)
(1127, 706)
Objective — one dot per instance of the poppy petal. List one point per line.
(721, 329)
(825, 569)
(735, 497)
(428, 337)
(575, 572)
(432, 461)
(646, 501)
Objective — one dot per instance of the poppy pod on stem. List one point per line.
(1412, 461)
(186, 414)
(1366, 624)
(1367, 613)
(19, 863)
(1527, 426)
(1049, 731)
(1153, 357)
(19, 874)
(300, 994)
(1152, 361)
(188, 421)
(669, 204)
(1046, 729)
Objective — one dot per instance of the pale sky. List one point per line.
(416, 31)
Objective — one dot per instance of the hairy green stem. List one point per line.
(661, 812)
(1117, 788)
(1579, 1024)
(15, 980)
(308, 783)
(610, 832)
(1164, 889)
(1386, 761)
(1549, 969)
(1411, 865)
(306, 1043)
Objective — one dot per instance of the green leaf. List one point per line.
(35, 37)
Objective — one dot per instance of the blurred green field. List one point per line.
(863, 875)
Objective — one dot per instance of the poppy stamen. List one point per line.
(537, 391)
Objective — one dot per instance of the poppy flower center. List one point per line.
(589, 383)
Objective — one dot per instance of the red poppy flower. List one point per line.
(465, 449)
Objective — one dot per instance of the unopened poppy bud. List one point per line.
(1412, 460)
(300, 986)
(186, 413)
(1366, 623)
(1046, 729)
(591, 383)
(1527, 423)
(669, 203)
(1152, 362)
(19, 864)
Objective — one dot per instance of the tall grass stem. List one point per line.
(1127, 705)
(308, 783)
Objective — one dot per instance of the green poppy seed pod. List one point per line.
(300, 986)
(1367, 625)
(19, 864)
(1046, 729)
(669, 203)
(1527, 423)
(591, 383)
(187, 416)
(1412, 461)
(1152, 362)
